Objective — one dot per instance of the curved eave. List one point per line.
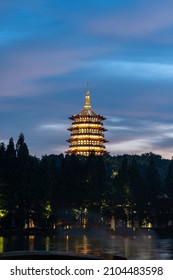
(88, 115)
(76, 151)
(89, 127)
(87, 147)
(100, 140)
(70, 152)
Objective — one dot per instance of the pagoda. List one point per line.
(87, 131)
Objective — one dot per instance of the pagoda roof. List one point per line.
(87, 112)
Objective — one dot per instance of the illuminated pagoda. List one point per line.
(87, 131)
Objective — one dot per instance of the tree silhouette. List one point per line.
(169, 180)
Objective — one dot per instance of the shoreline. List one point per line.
(160, 232)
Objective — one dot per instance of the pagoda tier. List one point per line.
(87, 131)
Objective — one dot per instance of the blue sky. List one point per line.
(49, 49)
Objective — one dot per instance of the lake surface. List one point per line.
(140, 246)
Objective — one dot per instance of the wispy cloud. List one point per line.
(3, 140)
(130, 146)
(141, 136)
(23, 69)
(146, 18)
(53, 127)
(146, 70)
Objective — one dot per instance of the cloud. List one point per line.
(60, 149)
(3, 140)
(53, 127)
(143, 19)
(145, 70)
(114, 119)
(140, 136)
(24, 68)
(130, 146)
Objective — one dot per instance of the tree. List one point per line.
(152, 181)
(152, 185)
(169, 180)
(17, 180)
(137, 193)
(22, 148)
(10, 151)
(2, 165)
(2, 177)
(95, 181)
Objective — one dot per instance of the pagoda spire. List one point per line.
(87, 98)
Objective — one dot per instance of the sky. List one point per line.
(50, 49)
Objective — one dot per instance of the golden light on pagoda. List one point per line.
(87, 131)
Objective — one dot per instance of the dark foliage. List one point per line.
(134, 188)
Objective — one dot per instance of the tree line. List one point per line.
(58, 190)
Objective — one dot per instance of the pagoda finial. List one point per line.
(87, 98)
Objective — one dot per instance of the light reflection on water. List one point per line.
(130, 247)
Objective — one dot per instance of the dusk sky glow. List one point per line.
(49, 49)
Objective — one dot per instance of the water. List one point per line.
(130, 247)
